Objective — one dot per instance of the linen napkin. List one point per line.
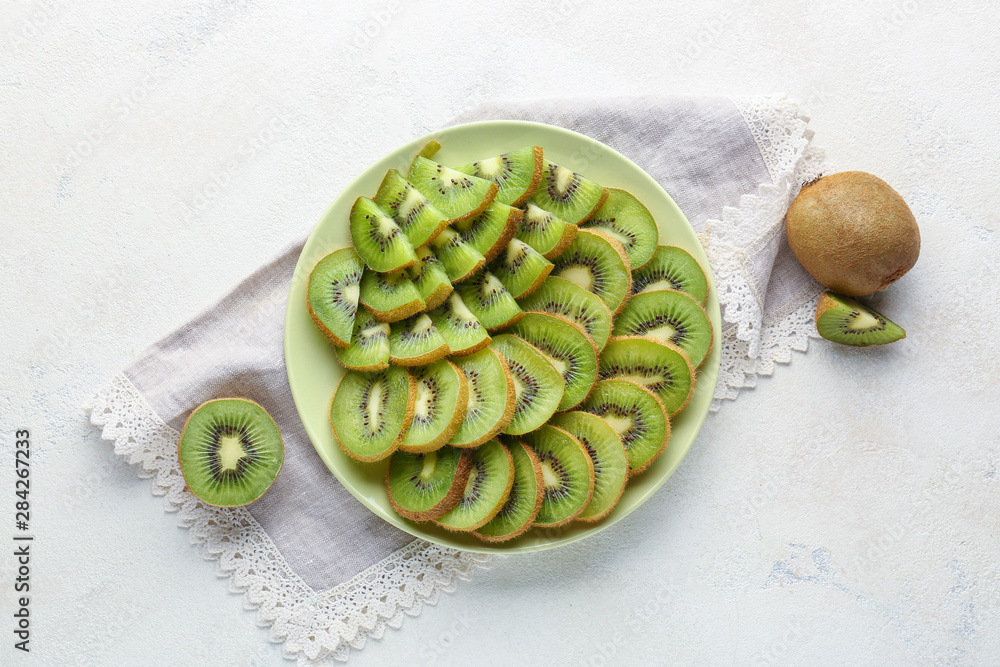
(323, 571)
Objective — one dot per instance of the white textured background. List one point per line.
(843, 512)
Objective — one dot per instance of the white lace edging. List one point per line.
(316, 628)
(751, 343)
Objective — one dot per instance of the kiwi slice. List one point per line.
(561, 297)
(546, 232)
(230, 452)
(567, 475)
(378, 239)
(439, 408)
(430, 279)
(422, 487)
(846, 321)
(410, 209)
(668, 315)
(521, 268)
(490, 231)
(390, 296)
(568, 194)
(463, 332)
(671, 268)
(490, 302)
(538, 386)
(525, 498)
(628, 221)
(597, 263)
(638, 417)
(416, 342)
(460, 259)
(371, 412)
(486, 490)
(369, 349)
(458, 196)
(661, 367)
(569, 349)
(608, 456)
(491, 398)
(332, 294)
(517, 174)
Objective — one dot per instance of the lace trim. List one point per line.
(316, 628)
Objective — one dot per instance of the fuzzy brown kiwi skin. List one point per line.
(332, 337)
(628, 266)
(365, 369)
(597, 207)
(448, 502)
(437, 297)
(535, 285)
(539, 495)
(514, 319)
(411, 400)
(508, 413)
(396, 314)
(513, 221)
(440, 352)
(461, 403)
(536, 176)
(496, 510)
(245, 400)
(590, 494)
(490, 196)
(684, 356)
(569, 233)
(472, 350)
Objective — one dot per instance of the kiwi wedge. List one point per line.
(378, 239)
(458, 196)
(597, 263)
(569, 349)
(661, 367)
(422, 487)
(460, 260)
(567, 475)
(671, 316)
(671, 268)
(638, 417)
(416, 342)
(410, 209)
(608, 456)
(490, 231)
(486, 490)
(844, 320)
(371, 412)
(524, 501)
(491, 398)
(390, 297)
(568, 194)
(561, 297)
(230, 452)
(521, 268)
(628, 221)
(546, 232)
(538, 386)
(332, 294)
(439, 408)
(463, 332)
(489, 301)
(369, 349)
(517, 174)
(430, 278)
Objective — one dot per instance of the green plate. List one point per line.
(313, 369)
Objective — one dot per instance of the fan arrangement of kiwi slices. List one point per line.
(516, 341)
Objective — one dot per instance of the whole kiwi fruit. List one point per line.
(852, 232)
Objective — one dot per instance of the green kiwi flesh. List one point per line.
(416, 342)
(489, 301)
(546, 232)
(844, 320)
(332, 294)
(490, 231)
(371, 412)
(486, 490)
(524, 501)
(671, 316)
(430, 278)
(567, 475)
(390, 297)
(463, 332)
(628, 221)
(410, 209)
(638, 417)
(606, 453)
(521, 268)
(661, 367)
(230, 452)
(460, 260)
(561, 297)
(442, 394)
(598, 264)
(377, 238)
(491, 400)
(569, 349)
(422, 487)
(671, 268)
(458, 196)
(538, 386)
(517, 174)
(369, 349)
(568, 194)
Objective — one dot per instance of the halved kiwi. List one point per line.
(416, 342)
(567, 475)
(332, 294)
(369, 349)
(491, 231)
(378, 239)
(410, 209)
(463, 332)
(671, 316)
(546, 232)
(660, 366)
(538, 386)
(486, 297)
(491, 398)
(486, 490)
(422, 487)
(671, 268)
(568, 194)
(371, 412)
(846, 321)
(517, 174)
(569, 349)
(439, 408)
(390, 296)
(628, 221)
(458, 196)
(521, 268)
(561, 297)
(524, 501)
(230, 452)
(460, 259)
(597, 263)
(430, 278)
(608, 456)
(636, 414)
